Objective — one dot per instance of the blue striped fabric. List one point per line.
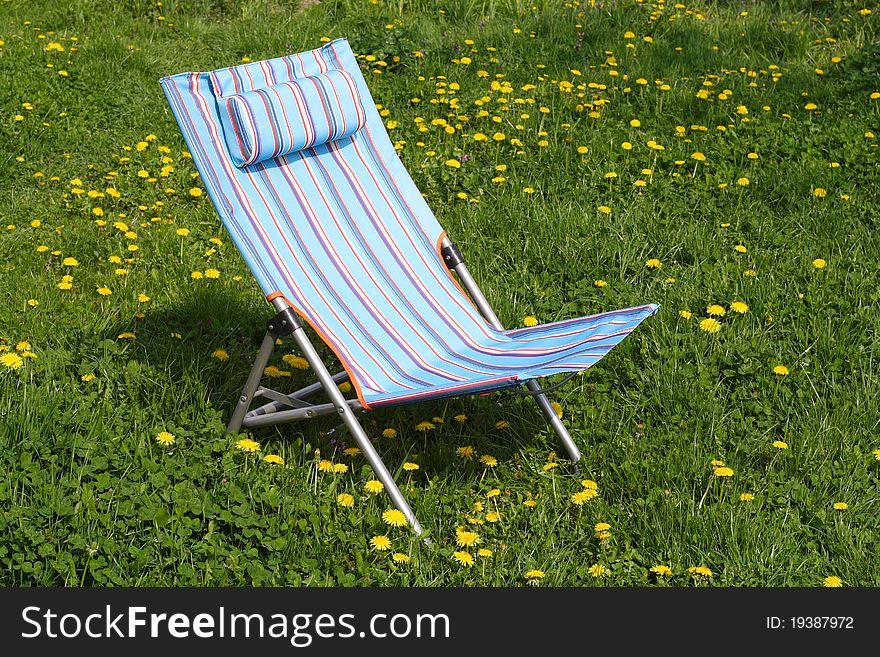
(340, 231)
(288, 116)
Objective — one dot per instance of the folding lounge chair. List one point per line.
(298, 165)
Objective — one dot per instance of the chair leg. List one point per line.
(250, 386)
(452, 258)
(351, 422)
(555, 422)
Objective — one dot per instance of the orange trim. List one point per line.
(351, 378)
(439, 248)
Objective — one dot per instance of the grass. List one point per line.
(88, 496)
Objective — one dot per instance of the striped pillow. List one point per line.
(289, 116)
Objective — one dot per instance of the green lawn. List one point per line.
(611, 154)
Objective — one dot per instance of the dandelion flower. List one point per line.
(488, 460)
(389, 433)
(534, 574)
(340, 468)
(410, 467)
(274, 459)
(583, 496)
(740, 248)
(70, 262)
(464, 538)
(661, 570)
(104, 291)
(716, 310)
(819, 263)
(832, 582)
(685, 314)
(183, 232)
(425, 426)
(653, 263)
(165, 438)
(493, 493)
(781, 370)
(820, 192)
(530, 320)
(87, 377)
(394, 517)
(248, 445)
(710, 325)
(212, 273)
(465, 452)
(876, 454)
(739, 307)
(598, 570)
(374, 486)
(297, 362)
(698, 156)
(493, 516)
(502, 424)
(400, 557)
(723, 471)
(746, 497)
(380, 542)
(195, 192)
(484, 552)
(600, 283)
(700, 570)
(464, 558)
(780, 444)
(345, 500)
(840, 506)
(220, 354)
(461, 418)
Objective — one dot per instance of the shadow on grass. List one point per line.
(180, 344)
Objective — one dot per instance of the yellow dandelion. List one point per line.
(345, 500)
(394, 517)
(400, 557)
(493, 517)
(425, 426)
(535, 574)
(781, 370)
(11, 360)
(598, 570)
(819, 263)
(716, 310)
(530, 320)
(685, 314)
(248, 445)
(195, 192)
(832, 582)
(746, 497)
(274, 459)
(700, 570)
(87, 377)
(340, 468)
(410, 467)
(220, 354)
(374, 486)
(212, 273)
(380, 543)
(840, 506)
(165, 438)
(739, 307)
(723, 471)
(582, 497)
(780, 444)
(661, 570)
(461, 418)
(464, 538)
(297, 362)
(710, 325)
(183, 232)
(494, 492)
(484, 552)
(465, 452)
(488, 460)
(820, 192)
(464, 558)
(104, 291)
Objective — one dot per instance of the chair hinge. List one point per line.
(284, 323)
(451, 255)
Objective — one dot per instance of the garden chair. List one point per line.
(297, 162)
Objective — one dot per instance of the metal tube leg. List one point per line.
(250, 386)
(348, 417)
(483, 306)
(555, 422)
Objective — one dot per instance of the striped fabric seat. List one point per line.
(339, 231)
